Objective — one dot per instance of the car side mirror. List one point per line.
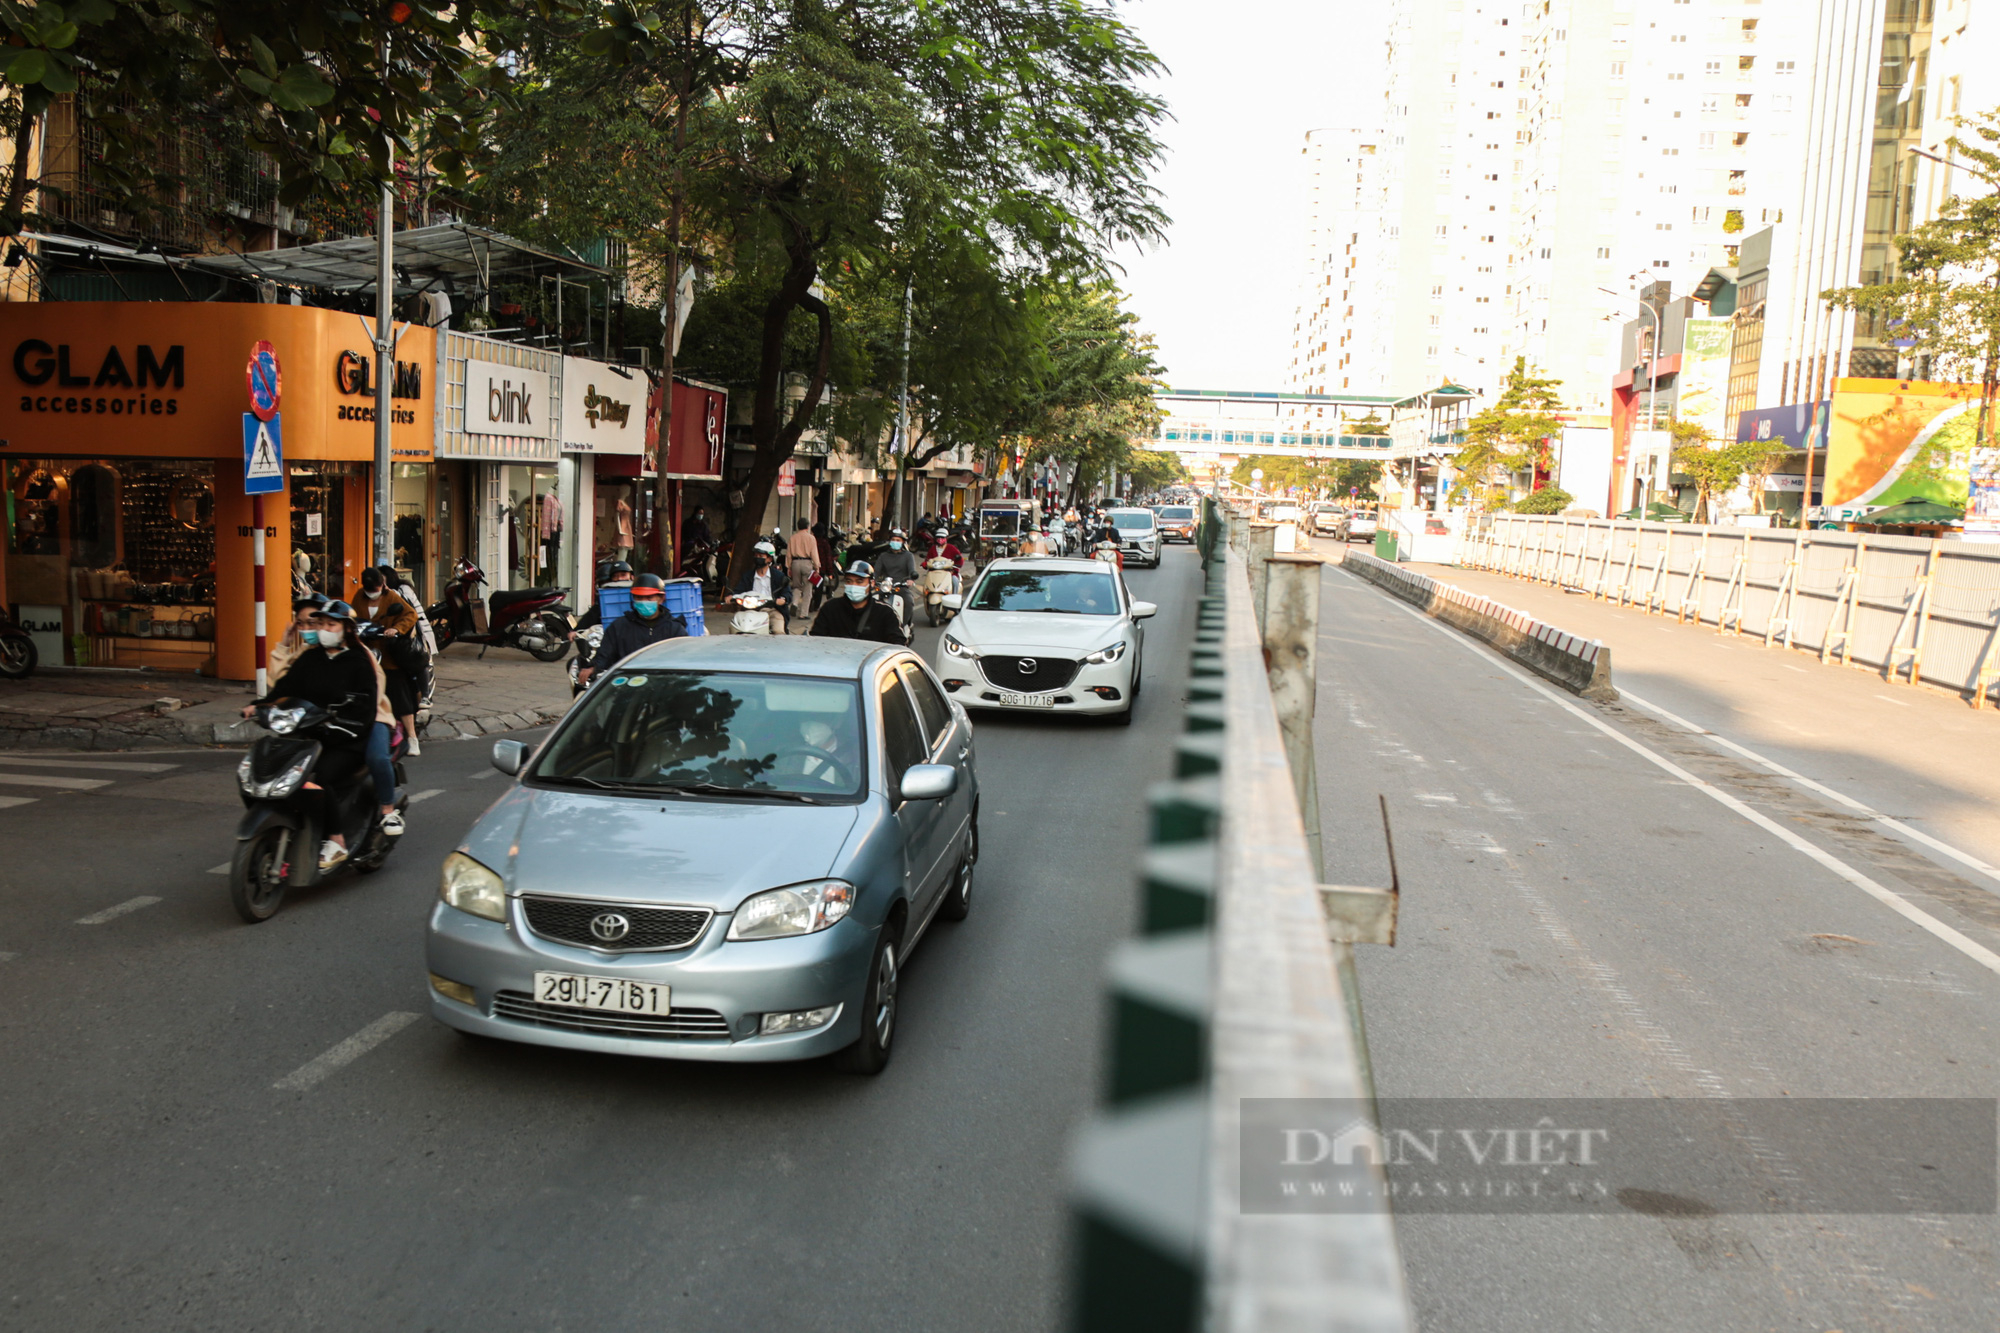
(1144, 610)
(510, 757)
(929, 782)
(953, 600)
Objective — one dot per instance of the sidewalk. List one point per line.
(66, 708)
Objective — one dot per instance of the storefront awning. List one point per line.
(467, 258)
(1912, 513)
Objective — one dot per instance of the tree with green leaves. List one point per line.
(1094, 398)
(1944, 300)
(324, 88)
(1714, 468)
(1508, 436)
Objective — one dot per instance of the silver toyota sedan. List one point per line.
(724, 852)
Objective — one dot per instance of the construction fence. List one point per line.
(1912, 608)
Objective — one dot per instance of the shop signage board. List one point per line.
(1704, 375)
(701, 413)
(604, 407)
(1897, 440)
(506, 400)
(263, 455)
(788, 478)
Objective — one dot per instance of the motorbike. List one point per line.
(896, 596)
(587, 643)
(535, 620)
(940, 582)
(702, 560)
(18, 656)
(751, 617)
(1109, 552)
(277, 842)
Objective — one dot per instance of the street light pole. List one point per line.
(385, 363)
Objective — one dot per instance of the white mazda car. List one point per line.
(1044, 634)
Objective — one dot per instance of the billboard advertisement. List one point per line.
(1704, 375)
(1788, 427)
(1897, 440)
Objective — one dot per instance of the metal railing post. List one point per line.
(1262, 545)
(1291, 638)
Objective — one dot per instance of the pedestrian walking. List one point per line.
(803, 563)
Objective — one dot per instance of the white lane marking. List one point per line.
(108, 767)
(8, 957)
(49, 780)
(6, 801)
(114, 912)
(222, 869)
(425, 795)
(1900, 703)
(345, 1052)
(489, 773)
(1886, 821)
(1972, 949)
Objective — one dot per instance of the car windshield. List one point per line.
(711, 734)
(1139, 520)
(1064, 591)
(1177, 511)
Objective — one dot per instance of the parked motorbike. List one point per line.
(18, 656)
(587, 643)
(751, 617)
(535, 620)
(277, 843)
(940, 582)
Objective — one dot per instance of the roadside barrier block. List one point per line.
(1581, 666)
(1159, 1014)
(1177, 886)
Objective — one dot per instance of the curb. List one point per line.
(1581, 666)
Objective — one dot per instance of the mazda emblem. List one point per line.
(1027, 666)
(610, 926)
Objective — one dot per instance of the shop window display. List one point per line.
(124, 549)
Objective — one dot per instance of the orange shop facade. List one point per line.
(128, 531)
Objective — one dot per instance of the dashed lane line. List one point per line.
(345, 1053)
(222, 869)
(52, 780)
(117, 910)
(425, 795)
(6, 802)
(1895, 902)
(14, 761)
(488, 773)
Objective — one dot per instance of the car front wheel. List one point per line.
(870, 1054)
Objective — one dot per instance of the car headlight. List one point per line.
(1104, 655)
(278, 788)
(800, 909)
(957, 649)
(471, 887)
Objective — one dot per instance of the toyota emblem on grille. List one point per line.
(610, 926)
(1027, 666)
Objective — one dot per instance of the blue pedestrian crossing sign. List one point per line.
(263, 456)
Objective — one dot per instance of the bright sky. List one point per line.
(1246, 81)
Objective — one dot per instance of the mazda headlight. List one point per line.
(471, 887)
(1104, 655)
(279, 787)
(798, 910)
(957, 649)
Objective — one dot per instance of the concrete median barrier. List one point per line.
(1581, 666)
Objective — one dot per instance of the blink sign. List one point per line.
(507, 400)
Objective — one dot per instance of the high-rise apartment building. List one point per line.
(1537, 152)
(1332, 352)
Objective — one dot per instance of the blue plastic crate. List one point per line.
(613, 602)
(684, 600)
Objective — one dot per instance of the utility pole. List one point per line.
(385, 359)
(902, 415)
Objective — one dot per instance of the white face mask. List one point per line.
(854, 592)
(330, 636)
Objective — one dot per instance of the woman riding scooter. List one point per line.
(335, 672)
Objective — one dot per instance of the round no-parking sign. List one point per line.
(264, 380)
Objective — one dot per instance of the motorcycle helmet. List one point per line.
(859, 569)
(653, 582)
(311, 599)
